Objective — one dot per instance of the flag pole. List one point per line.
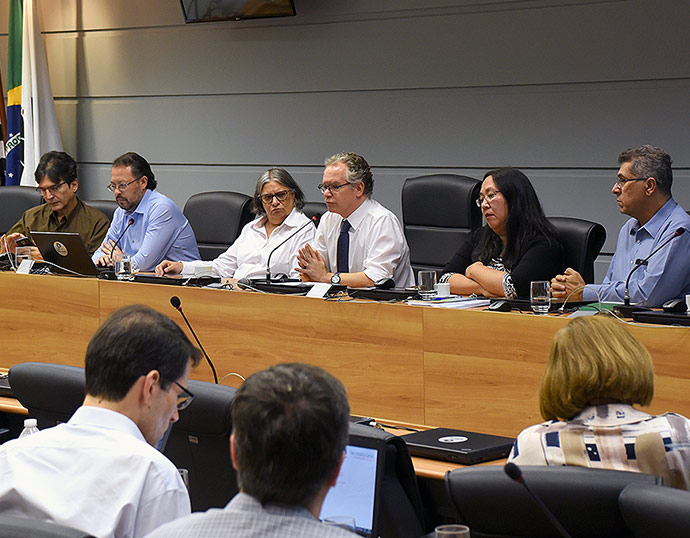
(3, 114)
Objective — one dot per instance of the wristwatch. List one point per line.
(335, 279)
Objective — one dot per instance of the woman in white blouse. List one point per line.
(278, 201)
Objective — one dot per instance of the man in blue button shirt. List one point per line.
(149, 226)
(643, 191)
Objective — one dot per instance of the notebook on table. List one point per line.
(357, 492)
(458, 446)
(65, 252)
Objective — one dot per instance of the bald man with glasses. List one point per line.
(63, 211)
(643, 191)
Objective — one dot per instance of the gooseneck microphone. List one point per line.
(640, 263)
(177, 305)
(268, 263)
(515, 473)
(112, 252)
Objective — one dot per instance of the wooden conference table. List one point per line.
(474, 370)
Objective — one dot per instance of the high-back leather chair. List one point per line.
(14, 200)
(51, 392)
(652, 511)
(200, 442)
(107, 207)
(315, 209)
(217, 219)
(582, 241)
(583, 500)
(15, 527)
(439, 211)
(401, 511)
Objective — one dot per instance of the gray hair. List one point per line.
(650, 161)
(283, 177)
(358, 169)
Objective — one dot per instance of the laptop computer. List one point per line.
(65, 252)
(357, 491)
(458, 446)
(662, 318)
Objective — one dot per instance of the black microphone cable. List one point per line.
(177, 305)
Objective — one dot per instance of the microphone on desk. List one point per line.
(515, 473)
(177, 305)
(268, 263)
(627, 309)
(112, 252)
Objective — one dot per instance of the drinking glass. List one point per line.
(452, 531)
(123, 267)
(540, 296)
(21, 254)
(427, 284)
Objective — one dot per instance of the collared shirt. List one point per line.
(245, 517)
(667, 273)
(160, 232)
(612, 436)
(248, 256)
(87, 221)
(95, 473)
(377, 243)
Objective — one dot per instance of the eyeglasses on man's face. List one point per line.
(122, 187)
(331, 188)
(53, 189)
(488, 198)
(184, 398)
(623, 180)
(281, 196)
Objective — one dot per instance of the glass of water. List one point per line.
(427, 284)
(452, 531)
(123, 267)
(21, 254)
(540, 296)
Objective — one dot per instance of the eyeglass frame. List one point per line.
(122, 187)
(622, 181)
(489, 198)
(184, 404)
(332, 188)
(276, 195)
(53, 188)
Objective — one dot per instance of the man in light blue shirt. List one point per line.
(643, 191)
(149, 226)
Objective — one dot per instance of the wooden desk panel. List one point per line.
(374, 349)
(46, 318)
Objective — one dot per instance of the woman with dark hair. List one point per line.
(278, 202)
(517, 245)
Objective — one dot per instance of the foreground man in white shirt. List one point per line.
(99, 472)
(359, 242)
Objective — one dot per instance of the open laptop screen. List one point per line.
(356, 491)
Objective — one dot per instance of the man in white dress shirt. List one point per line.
(359, 242)
(100, 472)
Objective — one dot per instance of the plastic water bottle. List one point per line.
(30, 427)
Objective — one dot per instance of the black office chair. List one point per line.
(19, 527)
(107, 207)
(200, 442)
(401, 509)
(583, 500)
(315, 209)
(217, 219)
(582, 241)
(652, 511)
(439, 211)
(51, 392)
(14, 200)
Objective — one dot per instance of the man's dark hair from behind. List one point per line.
(57, 166)
(133, 341)
(290, 427)
(139, 166)
(650, 161)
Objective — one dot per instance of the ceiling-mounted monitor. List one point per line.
(235, 10)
